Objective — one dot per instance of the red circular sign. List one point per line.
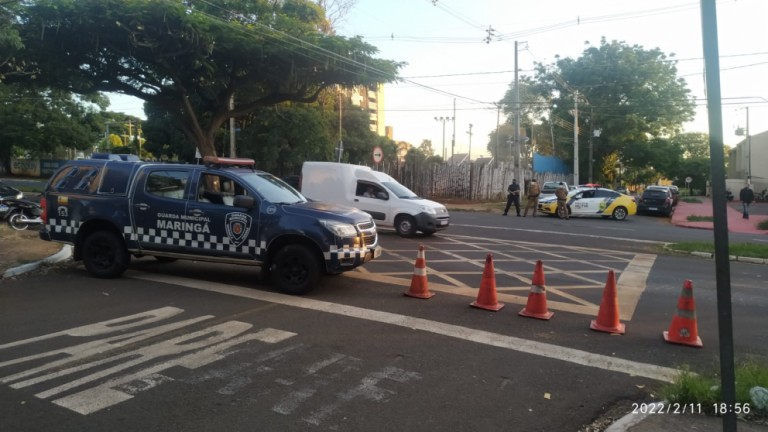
(378, 154)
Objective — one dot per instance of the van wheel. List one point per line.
(620, 213)
(405, 225)
(295, 270)
(105, 255)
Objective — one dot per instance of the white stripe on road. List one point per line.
(571, 355)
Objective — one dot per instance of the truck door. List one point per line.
(158, 207)
(229, 231)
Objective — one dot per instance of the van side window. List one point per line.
(167, 184)
(368, 190)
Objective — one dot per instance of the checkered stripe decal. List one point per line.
(194, 240)
(63, 226)
(345, 252)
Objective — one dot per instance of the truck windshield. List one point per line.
(273, 189)
(399, 190)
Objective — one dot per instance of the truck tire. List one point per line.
(105, 255)
(295, 270)
(405, 225)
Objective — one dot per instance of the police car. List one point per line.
(593, 202)
(223, 211)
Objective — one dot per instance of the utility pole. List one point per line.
(591, 132)
(496, 154)
(470, 143)
(521, 177)
(453, 138)
(341, 143)
(576, 137)
(232, 128)
(443, 120)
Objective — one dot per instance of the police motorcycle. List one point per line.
(21, 214)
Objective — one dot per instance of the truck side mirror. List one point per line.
(244, 201)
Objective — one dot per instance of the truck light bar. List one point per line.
(221, 161)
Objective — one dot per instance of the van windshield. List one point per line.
(399, 190)
(273, 189)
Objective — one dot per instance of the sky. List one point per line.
(448, 56)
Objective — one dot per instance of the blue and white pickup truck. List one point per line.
(223, 211)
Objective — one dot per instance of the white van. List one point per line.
(387, 201)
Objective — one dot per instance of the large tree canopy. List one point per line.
(193, 58)
(631, 94)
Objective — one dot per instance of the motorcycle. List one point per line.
(21, 214)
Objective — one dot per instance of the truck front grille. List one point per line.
(368, 230)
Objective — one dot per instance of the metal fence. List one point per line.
(472, 182)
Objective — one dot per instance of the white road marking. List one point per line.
(564, 354)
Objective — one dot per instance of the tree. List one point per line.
(10, 41)
(37, 122)
(631, 94)
(193, 58)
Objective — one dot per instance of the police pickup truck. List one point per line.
(223, 211)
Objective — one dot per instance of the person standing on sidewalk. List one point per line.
(513, 197)
(533, 197)
(746, 196)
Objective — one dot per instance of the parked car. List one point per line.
(593, 202)
(656, 200)
(549, 188)
(622, 190)
(9, 192)
(673, 190)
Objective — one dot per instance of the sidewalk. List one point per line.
(758, 212)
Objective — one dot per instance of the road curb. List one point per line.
(710, 255)
(62, 255)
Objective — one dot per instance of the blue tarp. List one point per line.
(549, 164)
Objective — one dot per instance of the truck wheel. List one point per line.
(105, 255)
(405, 225)
(295, 270)
(620, 213)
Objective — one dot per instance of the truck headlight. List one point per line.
(340, 229)
(429, 210)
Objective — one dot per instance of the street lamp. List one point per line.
(741, 132)
(443, 120)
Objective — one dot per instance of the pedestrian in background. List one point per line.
(746, 196)
(562, 196)
(513, 197)
(533, 197)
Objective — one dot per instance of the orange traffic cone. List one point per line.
(486, 297)
(537, 298)
(419, 287)
(608, 315)
(683, 329)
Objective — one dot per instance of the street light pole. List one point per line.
(748, 141)
(470, 143)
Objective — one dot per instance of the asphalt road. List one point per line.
(203, 347)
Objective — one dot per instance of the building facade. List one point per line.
(750, 155)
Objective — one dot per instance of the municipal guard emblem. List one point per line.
(238, 225)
